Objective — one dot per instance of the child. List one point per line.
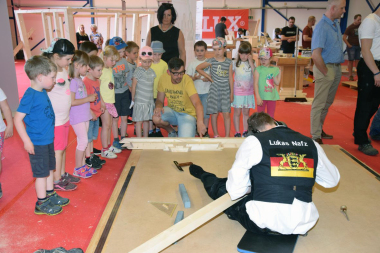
(132, 53)
(80, 111)
(142, 92)
(60, 52)
(159, 67)
(110, 57)
(122, 96)
(265, 78)
(202, 85)
(6, 131)
(243, 87)
(221, 93)
(89, 48)
(92, 83)
(36, 111)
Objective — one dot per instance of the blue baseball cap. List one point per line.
(118, 43)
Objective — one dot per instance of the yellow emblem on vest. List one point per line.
(289, 166)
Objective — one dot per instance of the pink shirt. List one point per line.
(243, 84)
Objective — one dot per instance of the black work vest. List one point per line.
(169, 40)
(287, 169)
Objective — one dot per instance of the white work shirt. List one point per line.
(296, 218)
(370, 29)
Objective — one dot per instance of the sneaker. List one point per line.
(82, 172)
(114, 149)
(91, 170)
(245, 133)
(108, 154)
(129, 122)
(98, 160)
(368, 149)
(153, 134)
(237, 135)
(58, 200)
(97, 151)
(90, 162)
(173, 134)
(1, 192)
(158, 134)
(375, 137)
(64, 185)
(117, 145)
(47, 207)
(71, 178)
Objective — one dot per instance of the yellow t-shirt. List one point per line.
(107, 87)
(178, 95)
(159, 69)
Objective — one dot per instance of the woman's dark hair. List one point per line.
(164, 7)
(244, 48)
(88, 47)
(175, 63)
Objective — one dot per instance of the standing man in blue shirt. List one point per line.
(327, 54)
(221, 28)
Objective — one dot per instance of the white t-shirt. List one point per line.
(2, 123)
(200, 86)
(370, 29)
(60, 97)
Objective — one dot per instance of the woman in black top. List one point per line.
(81, 36)
(171, 37)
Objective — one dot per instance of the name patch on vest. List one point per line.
(291, 164)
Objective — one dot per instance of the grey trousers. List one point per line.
(324, 93)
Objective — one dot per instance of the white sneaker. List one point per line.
(114, 150)
(108, 154)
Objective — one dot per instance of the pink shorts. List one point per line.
(61, 136)
(2, 137)
(112, 110)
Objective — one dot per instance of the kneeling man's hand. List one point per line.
(158, 111)
(201, 127)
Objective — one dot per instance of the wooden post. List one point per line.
(50, 28)
(136, 29)
(23, 35)
(46, 29)
(58, 31)
(116, 24)
(70, 29)
(123, 31)
(61, 27)
(150, 21)
(108, 27)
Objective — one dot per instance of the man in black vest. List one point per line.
(276, 167)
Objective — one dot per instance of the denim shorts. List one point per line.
(185, 122)
(93, 130)
(43, 160)
(203, 98)
(353, 53)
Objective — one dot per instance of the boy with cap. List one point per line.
(122, 93)
(265, 77)
(36, 111)
(159, 67)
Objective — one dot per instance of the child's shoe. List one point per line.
(96, 151)
(173, 134)
(237, 135)
(116, 144)
(64, 185)
(108, 154)
(90, 162)
(245, 133)
(82, 172)
(115, 150)
(98, 160)
(47, 207)
(91, 170)
(58, 200)
(71, 178)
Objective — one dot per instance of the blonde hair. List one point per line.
(311, 18)
(83, 34)
(79, 57)
(111, 51)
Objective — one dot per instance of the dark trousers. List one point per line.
(367, 103)
(216, 187)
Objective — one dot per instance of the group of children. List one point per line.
(77, 87)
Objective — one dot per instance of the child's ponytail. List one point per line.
(79, 57)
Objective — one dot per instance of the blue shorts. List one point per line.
(185, 122)
(353, 53)
(93, 130)
(203, 98)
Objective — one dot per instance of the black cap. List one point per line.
(60, 46)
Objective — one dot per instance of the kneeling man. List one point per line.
(277, 168)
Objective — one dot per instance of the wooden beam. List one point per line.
(58, 31)
(184, 227)
(61, 26)
(108, 27)
(23, 34)
(150, 21)
(116, 33)
(39, 11)
(69, 25)
(18, 48)
(123, 29)
(256, 28)
(111, 11)
(45, 26)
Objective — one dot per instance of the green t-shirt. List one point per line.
(267, 88)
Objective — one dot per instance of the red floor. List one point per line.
(23, 231)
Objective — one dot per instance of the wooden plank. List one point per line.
(57, 25)
(351, 84)
(132, 161)
(179, 230)
(108, 28)
(150, 22)
(46, 29)
(116, 33)
(23, 34)
(123, 28)
(70, 28)
(18, 48)
(39, 11)
(257, 27)
(61, 26)
(119, 11)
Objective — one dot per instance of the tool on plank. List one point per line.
(344, 210)
(180, 165)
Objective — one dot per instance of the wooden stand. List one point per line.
(351, 84)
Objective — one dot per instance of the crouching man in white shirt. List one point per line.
(277, 167)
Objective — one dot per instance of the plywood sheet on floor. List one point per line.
(156, 179)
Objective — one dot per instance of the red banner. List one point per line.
(235, 19)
